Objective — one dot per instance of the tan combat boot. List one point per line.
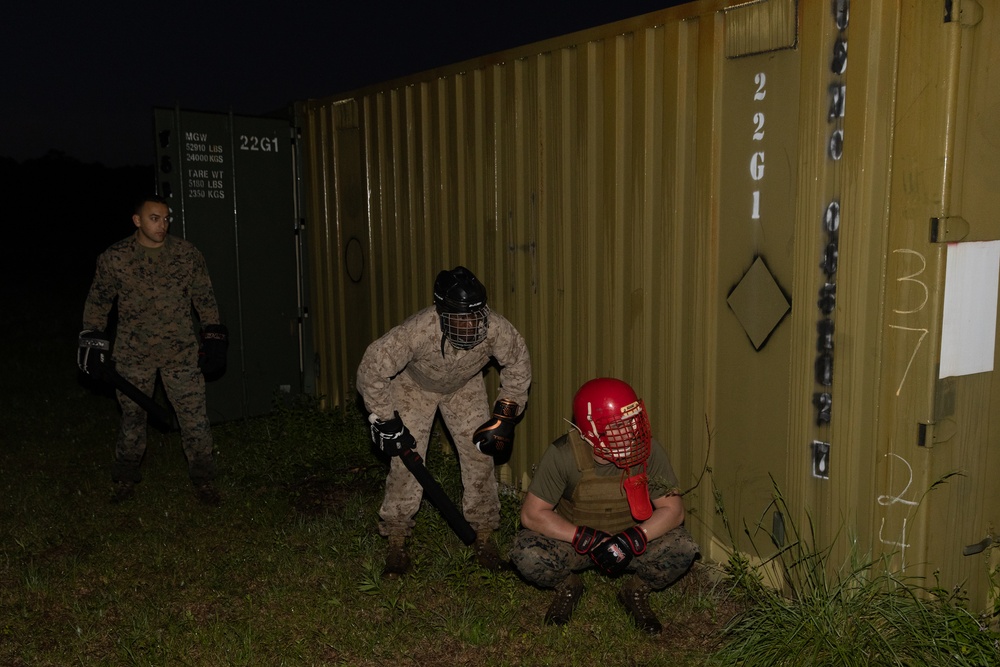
(634, 596)
(567, 596)
(207, 494)
(487, 555)
(397, 561)
(122, 492)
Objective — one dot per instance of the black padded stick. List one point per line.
(152, 408)
(455, 520)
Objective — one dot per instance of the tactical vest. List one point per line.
(598, 502)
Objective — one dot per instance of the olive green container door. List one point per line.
(230, 182)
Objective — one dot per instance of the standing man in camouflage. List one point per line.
(157, 279)
(432, 361)
(590, 504)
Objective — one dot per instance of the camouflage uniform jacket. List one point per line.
(155, 293)
(415, 347)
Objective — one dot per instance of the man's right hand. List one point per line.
(586, 538)
(390, 435)
(94, 353)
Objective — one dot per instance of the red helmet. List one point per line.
(613, 420)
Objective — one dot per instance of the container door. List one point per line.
(230, 181)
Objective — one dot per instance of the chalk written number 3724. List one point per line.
(252, 143)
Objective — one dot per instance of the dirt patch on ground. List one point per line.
(700, 630)
(319, 494)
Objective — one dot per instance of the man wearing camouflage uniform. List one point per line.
(589, 505)
(433, 361)
(156, 279)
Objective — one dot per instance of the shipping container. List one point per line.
(792, 254)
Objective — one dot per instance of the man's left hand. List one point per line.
(496, 436)
(613, 555)
(214, 348)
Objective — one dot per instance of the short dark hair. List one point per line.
(155, 199)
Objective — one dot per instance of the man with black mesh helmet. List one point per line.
(604, 495)
(433, 361)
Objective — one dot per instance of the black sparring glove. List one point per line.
(94, 353)
(613, 555)
(586, 539)
(390, 435)
(213, 350)
(496, 437)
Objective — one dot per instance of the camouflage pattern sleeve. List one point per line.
(202, 294)
(384, 358)
(511, 352)
(101, 296)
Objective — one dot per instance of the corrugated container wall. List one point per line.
(713, 204)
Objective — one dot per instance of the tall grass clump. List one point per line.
(861, 613)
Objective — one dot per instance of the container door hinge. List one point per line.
(978, 547)
(967, 12)
(949, 229)
(936, 433)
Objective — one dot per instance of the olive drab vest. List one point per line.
(598, 502)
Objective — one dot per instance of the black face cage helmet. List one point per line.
(460, 300)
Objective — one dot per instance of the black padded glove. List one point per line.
(587, 538)
(390, 435)
(214, 348)
(613, 556)
(93, 356)
(496, 437)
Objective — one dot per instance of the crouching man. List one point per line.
(590, 504)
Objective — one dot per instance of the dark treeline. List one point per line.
(59, 214)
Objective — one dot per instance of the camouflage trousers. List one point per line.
(185, 387)
(546, 562)
(463, 412)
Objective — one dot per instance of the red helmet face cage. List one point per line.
(614, 421)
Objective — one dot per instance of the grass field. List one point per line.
(285, 572)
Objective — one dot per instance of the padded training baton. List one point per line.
(152, 408)
(455, 520)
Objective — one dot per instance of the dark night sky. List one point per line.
(83, 79)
